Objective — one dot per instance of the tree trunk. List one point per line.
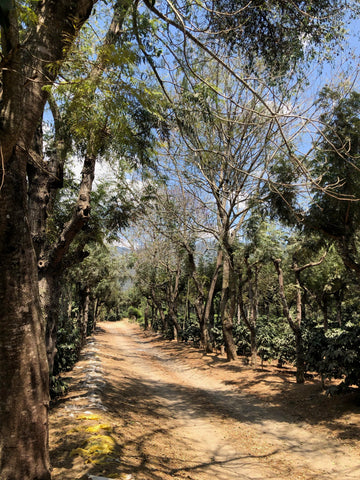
(203, 305)
(24, 378)
(23, 364)
(49, 287)
(175, 323)
(251, 319)
(146, 317)
(95, 313)
(338, 299)
(164, 323)
(295, 324)
(300, 356)
(209, 302)
(84, 316)
(227, 309)
(153, 315)
(205, 341)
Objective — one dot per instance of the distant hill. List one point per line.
(122, 250)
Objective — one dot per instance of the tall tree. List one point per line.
(336, 213)
(296, 322)
(224, 145)
(30, 61)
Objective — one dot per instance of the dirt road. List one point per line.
(174, 413)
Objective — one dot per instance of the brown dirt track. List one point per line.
(143, 408)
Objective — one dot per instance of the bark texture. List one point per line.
(295, 323)
(25, 69)
(203, 302)
(227, 308)
(23, 365)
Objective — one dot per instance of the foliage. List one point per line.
(58, 387)
(280, 32)
(242, 339)
(67, 345)
(275, 340)
(338, 213)
(341, 358)
(134, 313)
(101, 274)
(191, 330)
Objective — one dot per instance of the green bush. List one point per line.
(191, 331)
(275, 340)
(134, 313)
(341, 357)
(242, 339)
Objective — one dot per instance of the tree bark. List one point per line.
(45, 178)
(83, 318)
(227, 308)
(203, 304)
(95, 314)
(294, 324)
(251, 318)
(23, 363)
(49, 288)
(146, 316)
(24, 375)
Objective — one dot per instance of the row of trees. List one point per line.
(239, 187)
(291, 298)
(73, 82)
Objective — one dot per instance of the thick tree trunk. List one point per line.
(227, 309)
(49, 287)
(153, 322)
(175, 323)
(203, 305)
(164, 322)
(95, 314)
(205, 340)
(23, 365)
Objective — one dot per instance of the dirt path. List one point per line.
(170, 412)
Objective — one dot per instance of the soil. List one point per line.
(144, 408)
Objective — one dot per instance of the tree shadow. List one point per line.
(126, 399)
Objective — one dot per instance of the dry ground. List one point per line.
(143, 408)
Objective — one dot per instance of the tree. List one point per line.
(224, 145)
(277, 29)
(259, 247)
(181, 218)
(295, 323)
(113, 127)
(336, 214)
(30, 60)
